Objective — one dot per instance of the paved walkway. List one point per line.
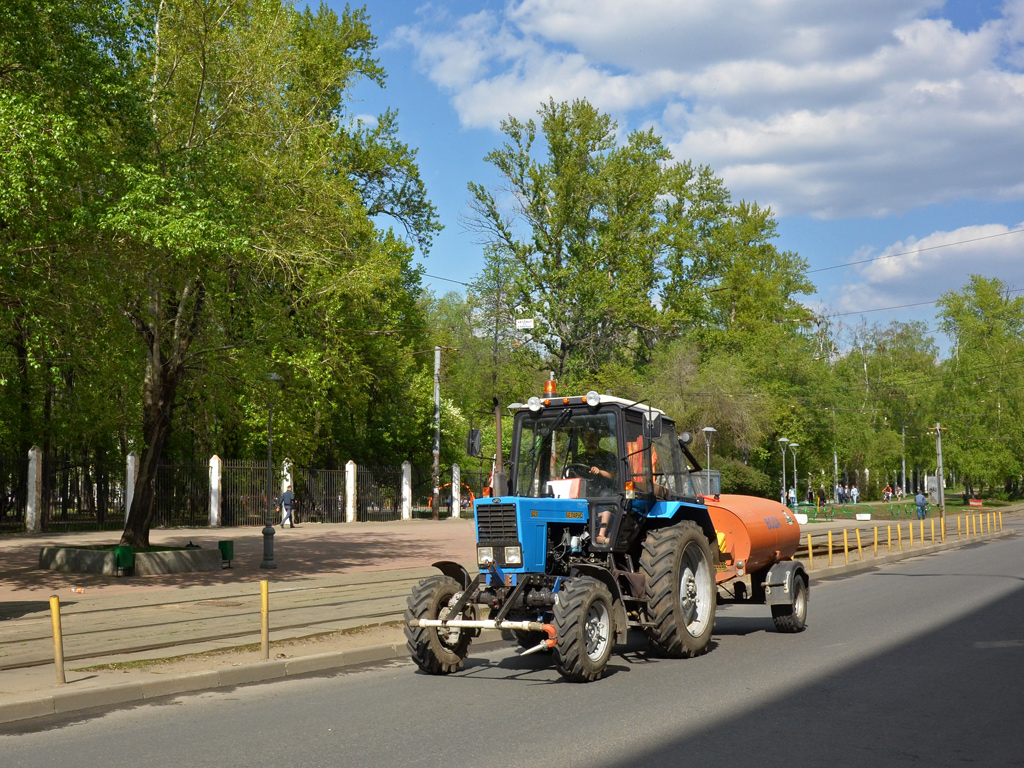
(330, 577)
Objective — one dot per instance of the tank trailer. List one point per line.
(605, 522)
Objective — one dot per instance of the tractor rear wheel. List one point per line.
(436, 651)
(681, 591)
(585, 629)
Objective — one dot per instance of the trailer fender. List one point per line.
(455, 570)
(778, 582)
(619, 607)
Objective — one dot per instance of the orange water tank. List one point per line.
(753, 533)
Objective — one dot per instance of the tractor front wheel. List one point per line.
(585, 629)
(435, 650)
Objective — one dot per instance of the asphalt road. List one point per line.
(916, 663)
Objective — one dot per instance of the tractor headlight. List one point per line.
(533, 404)
(513, 556)
(593, 399)
(484, 555)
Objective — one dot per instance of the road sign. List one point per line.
(524, 324)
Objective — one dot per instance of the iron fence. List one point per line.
(378, 494)
(244, 493)
(182, 496)
(13, 493)
(319, 495)
(81, 496)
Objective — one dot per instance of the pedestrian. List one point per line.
(287, 503)
(792, 497)
(922, 505)
(854, 494)
(821, 498)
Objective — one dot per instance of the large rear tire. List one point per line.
(681, 590)
(792, 618)
(435, 651)
(585, 629)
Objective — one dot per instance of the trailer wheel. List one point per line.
(792, 618)
(435, 651)
(585, 629)
(681, 592)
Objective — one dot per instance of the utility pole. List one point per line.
(435, 501)
(938, 474)
(903, 458)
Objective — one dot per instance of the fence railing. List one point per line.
(93, 496)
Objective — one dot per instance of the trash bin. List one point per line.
(124, 559)
(227, 552)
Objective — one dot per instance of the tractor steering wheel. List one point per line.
(576, 469)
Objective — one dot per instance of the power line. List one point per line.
(916, 250)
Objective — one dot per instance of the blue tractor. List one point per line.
(601, 526)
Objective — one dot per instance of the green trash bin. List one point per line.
(227, 552)
(124, 559)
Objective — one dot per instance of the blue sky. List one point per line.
(874, 128)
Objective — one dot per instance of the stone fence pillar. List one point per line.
(456, 492)
(215, 474)
(350, 492)
(406, 490)
(34, 503)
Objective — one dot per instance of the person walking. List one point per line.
(922, 505)
(854, 494)
(287, 503)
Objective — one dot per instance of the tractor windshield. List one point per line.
(569, 454)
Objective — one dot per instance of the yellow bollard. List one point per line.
(264, 619)
(860, 550)
(922, 533)
(899, 536)
(933, 530)
(958, 526)
(810, 553)
(830, 549)
(942, 529)
(58, 639)
(876, 541)
(888, 536)
(846, 546)
(1000, 519)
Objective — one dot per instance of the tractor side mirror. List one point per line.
(473, 443)
(652, 426)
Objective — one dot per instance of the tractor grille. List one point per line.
(497, 522)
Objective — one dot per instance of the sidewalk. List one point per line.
(336, 599)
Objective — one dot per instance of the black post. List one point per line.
(268, 530)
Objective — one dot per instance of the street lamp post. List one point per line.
(796, 481)
(708, 433)
(268, 530)
(782, 444)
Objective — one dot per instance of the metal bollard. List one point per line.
(899, 536)
(810, 553)
(846, 546)
(264, 619)
(860, 551)
(830, 548)
(876, 541)
(933, 530)
(58, 639)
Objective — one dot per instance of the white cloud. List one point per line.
(922, 269)
(832, 110)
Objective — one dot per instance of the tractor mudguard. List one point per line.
(602, 575)
(454, 570)
(778, 582)
(673, 511)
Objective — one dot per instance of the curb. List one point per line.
(64, 702)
